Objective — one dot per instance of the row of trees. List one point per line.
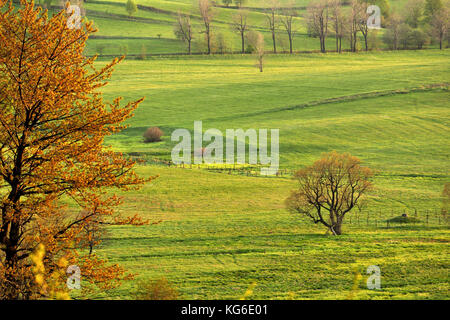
(419, 23)
(240, 23)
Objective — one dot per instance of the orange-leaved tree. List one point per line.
(53, 121)
(329, 189)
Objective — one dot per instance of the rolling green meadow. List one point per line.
(222, 232)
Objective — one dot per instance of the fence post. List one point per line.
(427, 216)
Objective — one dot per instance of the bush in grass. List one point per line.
(153, 134)
(155, 290)
(403, 219)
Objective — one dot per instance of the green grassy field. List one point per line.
(221, 232)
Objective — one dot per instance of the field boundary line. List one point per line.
(349, 98)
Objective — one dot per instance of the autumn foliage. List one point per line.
(329, 189)
(53, 121)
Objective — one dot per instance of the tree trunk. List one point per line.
(209, 44)
(208, 39)
(290, 43)
(351, 42)
(11, 262)
(243, 42)
(336, 228)
(274, 42)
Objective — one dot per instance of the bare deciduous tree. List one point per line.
(287, 19)
(353, 24)
(362, 23)
(256, 40)
(183, 29)
(317, 17)
(240, 25)
(329, 189)
(439, 24)
(206, 13)
(337, 19)
(272, 18)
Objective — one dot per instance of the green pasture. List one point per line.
(221, 233)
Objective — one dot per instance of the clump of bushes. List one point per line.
(403, 219)
(152, 134)
(156, 290)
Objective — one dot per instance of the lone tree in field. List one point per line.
(131, 7)
(256, 40)
(206, 13)
(329, 189)
(53, 122)
(240, 25)
(183, 30)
